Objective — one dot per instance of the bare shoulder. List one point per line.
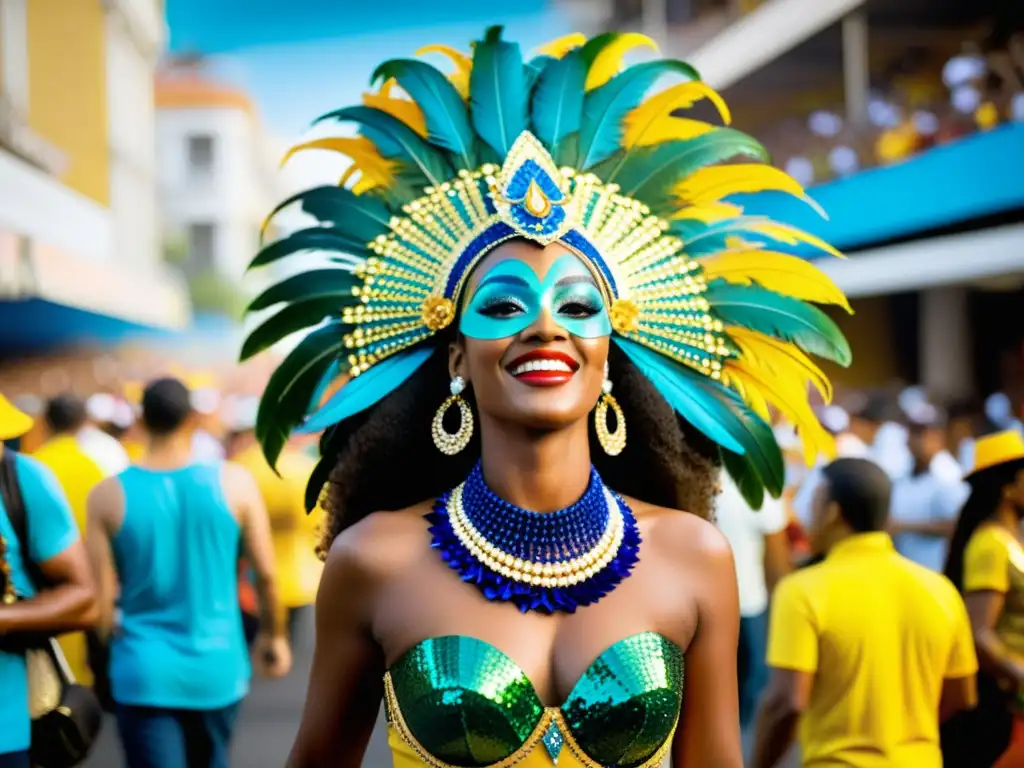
(379, 547)
(105, 503)
(236, 477)
(681, 536)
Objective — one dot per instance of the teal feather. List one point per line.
(714, 410)
(533, 69)
(606, 107)
(315, 284)
(394, 139)
(445, 112)
(651, 173)
(782, 317)
(293, 318)
(707, 239)
(368, 389)
(311, 239)
(287, 395)
(557, 103)
(746, 478)
(498, 92)
(333, 372)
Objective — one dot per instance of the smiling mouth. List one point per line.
(545, 369)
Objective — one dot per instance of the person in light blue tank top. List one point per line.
(170, 531)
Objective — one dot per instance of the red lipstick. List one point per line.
(543, 368)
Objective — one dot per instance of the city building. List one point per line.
(79, 236)
(218, 169)
(934, 234)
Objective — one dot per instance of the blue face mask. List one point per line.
(510, 298)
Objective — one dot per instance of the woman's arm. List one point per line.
(709, 727)
(984, 609)
(346, 681)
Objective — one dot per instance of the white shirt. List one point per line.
(934, 496)
(745, 530)
(106, 451)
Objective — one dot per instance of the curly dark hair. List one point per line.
(385, 459)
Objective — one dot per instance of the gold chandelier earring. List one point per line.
(613, 442)
(451, 443)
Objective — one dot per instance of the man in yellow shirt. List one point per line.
(77, 474)
(868, 650)
(295, 533)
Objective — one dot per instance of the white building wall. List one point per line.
(135, 37)
(235, 194)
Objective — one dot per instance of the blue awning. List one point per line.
(975, 177)
(34, 325)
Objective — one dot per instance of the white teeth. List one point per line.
(541, 365)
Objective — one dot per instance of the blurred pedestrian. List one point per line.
(867, 649)
(45, 583)
(986, 562)
(169, 532)
(77, 474)
(100, 446)
(925, 504)
(761, 553)
(295, 533)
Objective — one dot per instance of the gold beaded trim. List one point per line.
(562, 574)
(550, 715)
(9, 596)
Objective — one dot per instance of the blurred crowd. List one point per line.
(926, 102)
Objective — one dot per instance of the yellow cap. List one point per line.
(1000, 448)
(13, 423)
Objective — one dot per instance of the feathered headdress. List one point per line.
(708, 303)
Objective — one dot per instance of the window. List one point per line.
(202, 247)
(200, 154)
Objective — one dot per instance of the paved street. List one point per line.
(269, 719)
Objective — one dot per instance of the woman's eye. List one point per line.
(502, 308)
(578, 309)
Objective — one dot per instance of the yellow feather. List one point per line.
(709, 213)
(375, 170)
(609, 61)
(559, 47)
(712, 184)
(405, 110)
(463, 66)
(779, 272)
(791, 404)
(656, 112)
(667, 128)
(780, 359)
(785, 233)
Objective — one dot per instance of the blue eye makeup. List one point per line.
(510, 298)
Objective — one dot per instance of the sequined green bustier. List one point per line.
(459, 701)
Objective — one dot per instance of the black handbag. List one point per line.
(66, 717)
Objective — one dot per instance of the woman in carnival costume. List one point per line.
(516, 246)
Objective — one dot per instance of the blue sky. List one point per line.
(318, 54)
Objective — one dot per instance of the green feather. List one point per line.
(394, 139)
(498, 92)
(293, 318)
(781, 317)
(568, 151)
(651, 173)
(356, 217)
(606, 107)
(311, 239)
(315, 284)
(317, 479)
(288, 392)
(443, 108)
(714, 410)
(746, 478)
(593, 47)
(557, 103)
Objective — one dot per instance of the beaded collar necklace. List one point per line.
(546, 562)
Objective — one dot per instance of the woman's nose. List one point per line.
(545, 328)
